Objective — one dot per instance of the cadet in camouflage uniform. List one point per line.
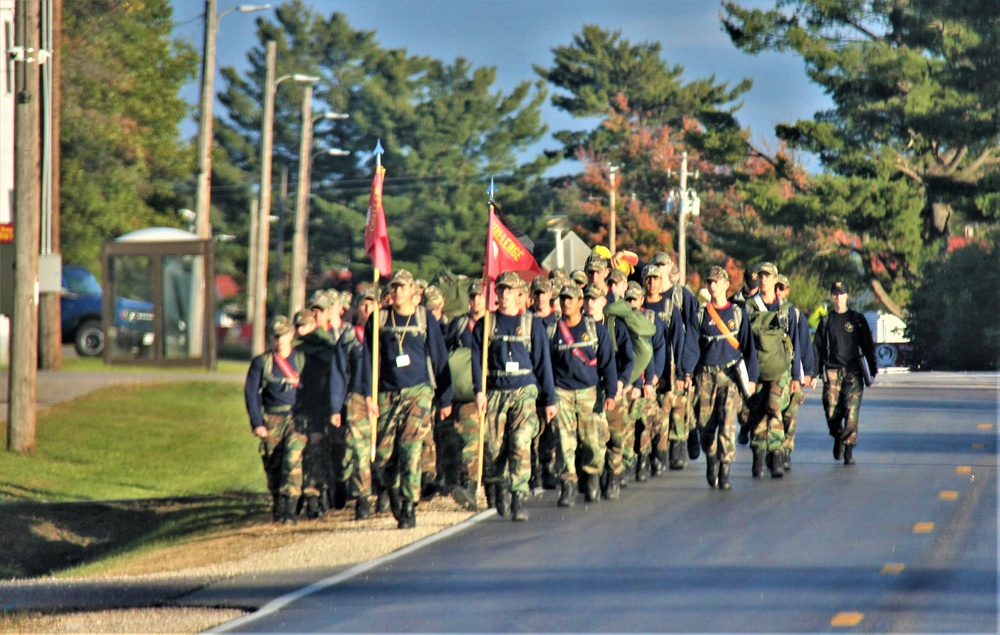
(843, 341)
(432, 462)
(804, 372)
(269, 393)
(543, 446)
(643, 406)
(519, 376)
(582, 359)
(771, 338)
(412, 372)
(712, 356)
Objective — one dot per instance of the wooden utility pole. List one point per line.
(22, 406)
(259, 341)
(300, 237)
(49, 310)
(612, 173)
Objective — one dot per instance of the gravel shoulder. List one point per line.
(213, 579)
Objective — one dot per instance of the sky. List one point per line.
(515, 35)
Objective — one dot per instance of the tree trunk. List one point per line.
(886, 301)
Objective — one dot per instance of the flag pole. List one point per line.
(485, 350)
(372, 420)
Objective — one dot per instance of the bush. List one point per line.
(954, 320)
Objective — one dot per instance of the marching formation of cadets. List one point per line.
(608, 376)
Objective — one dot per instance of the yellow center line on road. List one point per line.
(949, 495)
(847, 618)
(893, 568)
(923, 528)
(985, 426)
(963, 469)
(978, 446)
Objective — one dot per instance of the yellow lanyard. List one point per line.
(399, 339)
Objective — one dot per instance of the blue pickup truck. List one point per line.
(81, 302)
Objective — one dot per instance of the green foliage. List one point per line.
(175, 439)
(953, 314)
(122, 164)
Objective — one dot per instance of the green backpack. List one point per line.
(460, 359)
(770, 336)
(640, 331)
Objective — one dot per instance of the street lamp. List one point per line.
(203, 195)
(300, 239)
(258, 342)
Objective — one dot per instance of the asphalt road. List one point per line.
(904, 541)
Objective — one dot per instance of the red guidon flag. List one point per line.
(376, 235)
(504, 252)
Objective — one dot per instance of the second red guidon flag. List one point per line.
(376, 234)
(504, 252)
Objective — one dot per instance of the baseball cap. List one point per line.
(838, 287)
(304, 317)
(661, 258)
(768, 268)
(783, 279)
(717, 273)
(541, 284)
(571, 291)
(651, 271)
(634, 291)
(595, 263)
(433, 297)
(400, 277)
(751, 279)
(507, 279)
(421, 283)
(476, 286)
(579, 277)
(319, 300)
(558, 274)
(595, 290)
(617, 276)
(280, 325)
(334, 296)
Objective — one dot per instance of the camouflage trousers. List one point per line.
(619, 424)
(511, 425)
(281, 453)
(429, 453)
(458, 450)
(647, 418)
(766, 407)
(356, 465)
(675, 403)
(404, 423)
(543, 446)
(718, 401)
(842, 392)
(789, 418)
(581, 427)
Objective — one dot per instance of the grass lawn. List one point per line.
(145, 466)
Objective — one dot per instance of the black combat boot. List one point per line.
(382, 503)
(694, 445)
(465, 495)
(614, 487)
(339, 495)
(517, 511)
(838, 448)
(724, 477)
(787, 461)
(491, 494)
(642, 469)
(395, 504)
(407, 515)
(743, 438)
(428, 487)
(503, 497)
(362, 508)
(568, 496)
(848, 455)
(776, 461)
(276, 507)
(677, 461)
(313, 510)
(758, 463)
(593, 492)
(287, 510)
(712, 472)
(658, 462)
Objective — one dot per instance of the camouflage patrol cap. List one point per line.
(651, 271)
(558, 274)
(596, 263)
(661, 258)
(838, 288)
(557, 286)
(634, 291)
(541, 284)
(717, 273)
(304, 318)
(783, 279)
(595, 290)
(617, 276)
(280, 325)
(475, 287)
(334, 297)
(433, 298)
(579, 277)
(367, 294)
(768, 268)
(319, 300)
(508, 279)
(400, 277)
(421, 283)
(571, 291)
(346, 297)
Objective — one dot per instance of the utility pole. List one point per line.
(279, 241)
(690, 204)
(22, 413)
(612, 173)
(49, 309)
(300, 240)
(259, 343)
(252, 259)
